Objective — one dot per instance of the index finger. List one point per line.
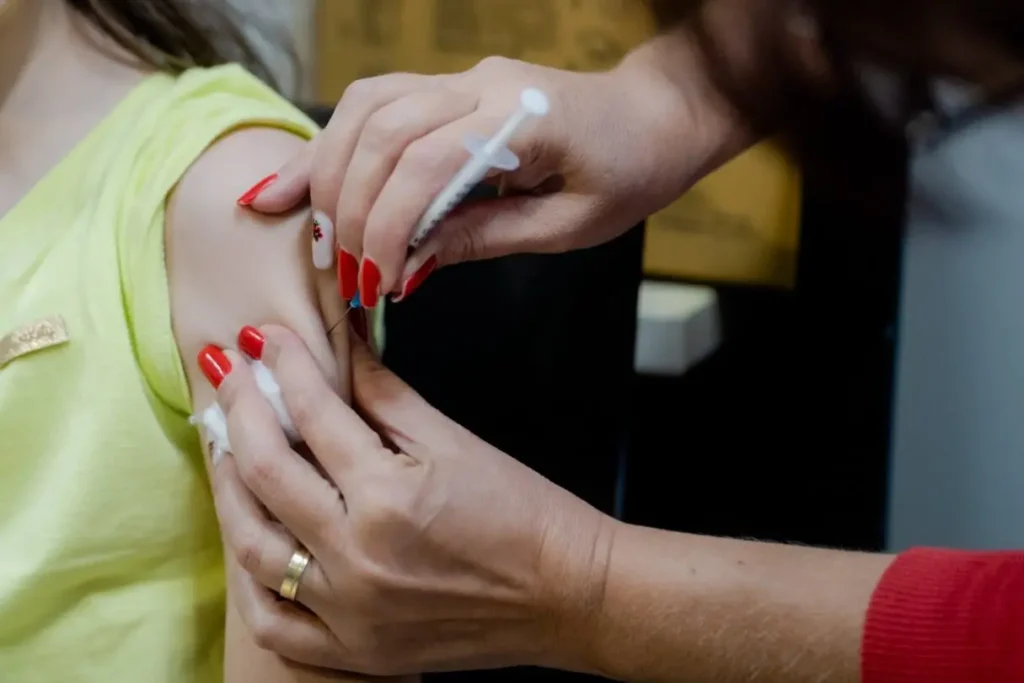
(424, 169)
(336, 435)
(291, 489)
(337, 140)
(290, 187)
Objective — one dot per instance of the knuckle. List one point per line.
(493, 64)
(326, 174)
(350, 215)
(384, 129)
(324, 517)
(358, 90)
(265, 630)
(248, 551)
(423, 158)
(392, 507)
(306, 408)
(463, 245)
(263, 473)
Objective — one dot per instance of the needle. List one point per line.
(485, 154)
(354, 303)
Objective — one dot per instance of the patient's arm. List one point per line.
(229, 267)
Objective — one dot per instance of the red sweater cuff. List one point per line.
(943, 616)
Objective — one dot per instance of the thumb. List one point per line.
(391, 407)
(516, 224)
(291, 188)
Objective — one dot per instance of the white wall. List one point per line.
(958, 442)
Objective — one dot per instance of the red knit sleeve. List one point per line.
(943, 616)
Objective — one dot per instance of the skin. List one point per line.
(395, 140)
(219, 256)
(444, 553)
(447, 554)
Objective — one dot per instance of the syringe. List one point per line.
(485, 154)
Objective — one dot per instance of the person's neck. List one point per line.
(56, 84)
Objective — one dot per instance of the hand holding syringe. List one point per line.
(486, 155)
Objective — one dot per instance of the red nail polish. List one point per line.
(250, 341)
(348, 274)
(417, 278)
(253, 192)
(369, 283)
(214, 364)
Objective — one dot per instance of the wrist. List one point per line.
(669, 74)
(575, 582)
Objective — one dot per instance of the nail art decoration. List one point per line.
(323, 241)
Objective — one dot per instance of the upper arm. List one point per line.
(229, 267)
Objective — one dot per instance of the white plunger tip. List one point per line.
(534, 102)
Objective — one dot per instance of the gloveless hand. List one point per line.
(431, 549)
(615, 147)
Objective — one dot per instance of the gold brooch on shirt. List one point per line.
(35, 336)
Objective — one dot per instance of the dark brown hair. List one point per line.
(978, 42)
(174, 35)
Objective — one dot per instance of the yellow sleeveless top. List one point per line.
(110, 557)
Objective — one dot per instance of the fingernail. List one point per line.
(417, 278)
(214, 364)
(250, 341)
(348, 274)
(323, 241)
(369, 283)
(253, 192)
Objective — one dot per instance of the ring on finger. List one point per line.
(297, 566)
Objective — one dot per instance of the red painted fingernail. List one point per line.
(348, 274)
(250, 341)
(253, 192)
(369, 283)
(417, 278)
(214, 364)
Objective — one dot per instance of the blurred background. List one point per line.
(781, 354)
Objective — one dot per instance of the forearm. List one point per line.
(683, 607)
(734, 70)
(694, 108)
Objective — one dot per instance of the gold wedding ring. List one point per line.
(293, 574)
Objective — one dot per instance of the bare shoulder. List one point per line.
(229, 266)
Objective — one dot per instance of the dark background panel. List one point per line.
(781, 434)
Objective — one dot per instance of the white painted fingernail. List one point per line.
(271, 391)
(323, 241)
